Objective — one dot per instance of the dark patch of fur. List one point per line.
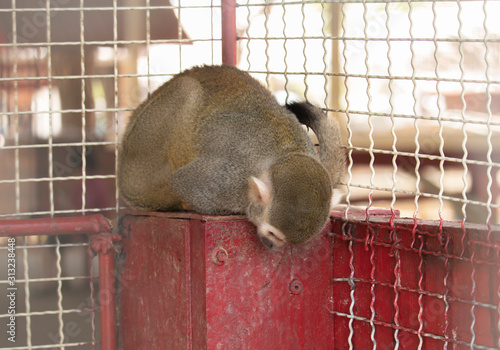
(304, 111)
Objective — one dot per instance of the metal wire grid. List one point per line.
(359, 35)
(13, 79)
(46, 313)
(306, 72)
(70, 320)
(461, 80)
(437, 305)
(388, 56)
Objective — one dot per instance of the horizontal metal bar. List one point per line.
(51, 346)
(424, 156)
(54, 179)
(104, 8)
(48, 279)
(107, 42)
(418, 117)
(37, 246)
(384, 39)
(385, 77)
(311, 73)
(415, 291)
(424, 194)
(53, 312)
(92, 224)
(59, 212)
(345, 2)
(56, 145)
(83, 76)
(65, 111)
(410, 330)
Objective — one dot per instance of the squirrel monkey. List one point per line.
(214, 140)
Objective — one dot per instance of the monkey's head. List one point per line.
(291, 202)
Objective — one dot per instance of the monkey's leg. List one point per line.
(155, 143)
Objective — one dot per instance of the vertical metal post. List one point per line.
(229, 32)
(107, 299)
(103, 245)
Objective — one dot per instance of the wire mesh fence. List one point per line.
(415, 84)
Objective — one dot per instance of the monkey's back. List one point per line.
(217, 108)
(228, 91)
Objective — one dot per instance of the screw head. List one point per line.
(219, 256)
(296, 287)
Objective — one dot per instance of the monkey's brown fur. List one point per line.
(204, 136)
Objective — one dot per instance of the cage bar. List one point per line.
(229, 32)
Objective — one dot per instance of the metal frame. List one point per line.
(101, 243)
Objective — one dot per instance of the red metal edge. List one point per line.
(354, 213)
(410, 222)
(92, 224)
(187, 215)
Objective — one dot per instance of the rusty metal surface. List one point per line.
(211, 284)
(153, 280)
(199, 283)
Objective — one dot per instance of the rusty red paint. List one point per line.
(406, 284)
(104, 245)
(92, 224)
(107, 300)
(178, 298)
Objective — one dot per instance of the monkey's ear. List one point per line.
(259, 191)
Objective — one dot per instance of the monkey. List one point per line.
(214, 140)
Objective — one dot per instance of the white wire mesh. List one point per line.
(415, 84)
(416, 80)
(70, 73)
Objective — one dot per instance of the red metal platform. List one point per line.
(188, 281)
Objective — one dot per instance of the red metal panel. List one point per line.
(208, 283)
(154, 302)
(261, 299)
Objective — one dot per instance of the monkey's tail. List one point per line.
(327, 131)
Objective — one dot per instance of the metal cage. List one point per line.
(415, 85)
